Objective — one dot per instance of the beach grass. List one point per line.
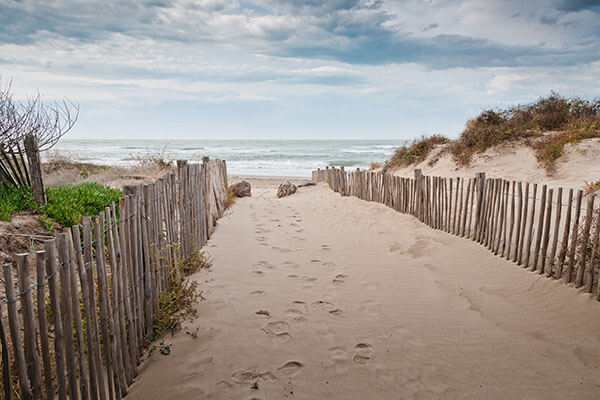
(547, 126)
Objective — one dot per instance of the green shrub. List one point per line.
(14, 199)
(66, 205)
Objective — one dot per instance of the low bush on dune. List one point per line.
(417, 151)
(546, 125)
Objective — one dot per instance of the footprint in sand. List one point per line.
(257, 292)
(290, 264)
(263, 313)
(277, 330)
(290, 368)
(371, 308)
(260, 238)
(337, 312)
(258, 273)
(281, 249)
(251, 374)
(395, 247)
(315, 261)
(339, 278)
(325, 247)
(307, 278)
(265, 264)
(300, 230)
(295, 314)
(418, 249)
(329, 264)
(293, 276)
(338, 354)
(322, 304)
(363, 352)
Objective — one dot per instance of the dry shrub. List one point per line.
(154, 160)
(177, 303)
(577, 119)
(230, 198)
(375, 165)
(417, 151)
(591, 187)
(551, 147)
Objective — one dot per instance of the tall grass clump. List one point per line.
(417, 151)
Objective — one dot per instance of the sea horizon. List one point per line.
(258, 157)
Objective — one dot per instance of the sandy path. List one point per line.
(364, 302)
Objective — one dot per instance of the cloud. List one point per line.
(350, 31)
(359, 57)
(578, 5)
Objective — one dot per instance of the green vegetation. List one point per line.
(417, 151)
(66, 205)
(14, 199)
(178, 302)
(546, 125)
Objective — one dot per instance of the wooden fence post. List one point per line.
(15, 333)
(35, 168)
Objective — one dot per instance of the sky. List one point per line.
(293, 69)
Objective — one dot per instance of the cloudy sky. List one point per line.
(295, 69)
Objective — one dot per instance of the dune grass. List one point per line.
(417, 151)
(546, 125)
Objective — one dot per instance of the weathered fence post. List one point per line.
(35, 169)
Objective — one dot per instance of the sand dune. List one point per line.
(316, 296)
(515, 161)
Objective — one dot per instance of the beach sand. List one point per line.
(318, 296)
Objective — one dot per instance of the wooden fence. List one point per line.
(77, 325)
(547, 230)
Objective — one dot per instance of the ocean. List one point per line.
(244, 157)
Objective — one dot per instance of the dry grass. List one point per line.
(60, 170)
(591, 187)
(546, 125)
(230, 199)
(62, 163)
(178, 302)
(551, 147)
(575, 119)
(417, 151)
